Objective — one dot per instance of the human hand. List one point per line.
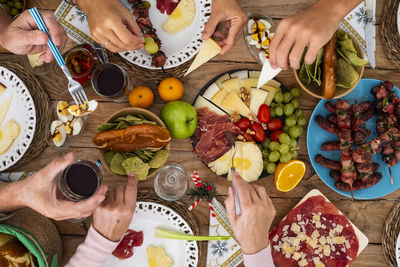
(39, 192)
(111, 23)
(311, 28)
(22, 36)
(252, 226)
(113, 217)
(231, 13)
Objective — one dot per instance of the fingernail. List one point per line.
(69, 156)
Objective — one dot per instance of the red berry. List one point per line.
(209, 187)
(199, 185)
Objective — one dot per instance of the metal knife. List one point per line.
(238, 207)
(267, 73)
(370, 32)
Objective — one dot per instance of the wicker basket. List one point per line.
(390, 33)
(390, 232)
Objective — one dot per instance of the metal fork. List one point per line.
(74, 87)
(238, 208)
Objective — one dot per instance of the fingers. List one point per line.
(102, 39)
(296, 53)
(131, 191)
(119, 194)
(276, 40)
(243, 190)
(210, 26)
(56, 31)
(58, 165)
(34, 37)
(86, 207)
(230, 206)
(261, 192)
(311, 54)
(235, 29)
(132, 25)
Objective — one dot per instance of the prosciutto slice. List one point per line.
(166, 6)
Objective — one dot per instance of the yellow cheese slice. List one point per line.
(222, 79)
(157, 257)
(219, 97)
(273, 83)
(34, 60)
(201, 102)
(4, 108)
(233, 103)
(209, 50)
(181, 17)
(258, 97)
(232, 85)
(272, 91)
(249, 83)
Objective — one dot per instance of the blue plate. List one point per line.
(316, 136)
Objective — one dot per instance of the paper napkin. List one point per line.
(222, 253)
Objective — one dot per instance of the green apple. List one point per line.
(180, 118)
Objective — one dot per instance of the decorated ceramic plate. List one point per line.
(316, 136)
(16, 105)
(180, 47)
(147, 217)
(398, 250)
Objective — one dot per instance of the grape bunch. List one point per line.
(13, 7)
(284, 148)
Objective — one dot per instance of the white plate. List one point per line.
(180, 47)
(398, 19)
(147, 217)
(398, 250)
(22, 110)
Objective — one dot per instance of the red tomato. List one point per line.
(274, 124)
(264, 113)
(275, 135)
(243, 124)
(259, 134)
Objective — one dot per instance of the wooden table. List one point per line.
(369, 215)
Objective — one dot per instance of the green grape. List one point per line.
(273, 104)
(14, 11)
(279, 110)
(295, 103)
(272, 113)
(150, 46)
(274, 156)
(7, 8)
(146, 4)
(271, 167)
(285, 157)
(265, 153)
(273, 146)
(295, 92)
(283, 148)
(287, 97)
(293, 143)
(284, 138)
(290, 122)
(288, 109)
(301, 121)
(266, 142)
(265, 163)
(18, 5)
(285, 128)
(10, 4)
(301, 131)
(278, 97)
(295, 131)
(298, 113)
(294, 154)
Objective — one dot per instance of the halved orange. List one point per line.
(288, 175)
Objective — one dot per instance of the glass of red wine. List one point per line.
(111, 81)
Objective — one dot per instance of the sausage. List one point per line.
(332, 118)
(335, 175)
(388, 85)
(133, 137)
(362, 183)
(331, 107)
(328, 163)
(325, 124)
(366, 115)
(361, 108)
(330, 62)
(331, 146)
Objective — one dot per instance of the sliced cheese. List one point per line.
(211, 91)
(221, 165)
(201, 102)
(219, 97)
(208, 50)
(254, 74)
(2, 89)
(241, 74)
(232, 85)
(233, 103)
(222, 79)
(157, 257)
(181, 17)
(4, 108)
(34, 60)
(248, 83)
(273, 83)
(272, 91)
(258, 97)
(252, 162)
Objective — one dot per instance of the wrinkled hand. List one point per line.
(113, 217)
(230, 12)
(110, 21)
(251, 228)
(22, 36)
(39, 193)
(311, 28)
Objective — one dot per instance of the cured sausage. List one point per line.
(330, 62)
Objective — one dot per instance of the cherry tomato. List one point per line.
(243, 124)
(259, 134)
(275, 135)
(264, 113)
(274, 124)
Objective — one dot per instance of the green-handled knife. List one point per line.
(163, 233)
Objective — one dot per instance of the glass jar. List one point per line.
(171, 181)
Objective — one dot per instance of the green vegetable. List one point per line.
(346, 75)
(303, 75)
(108, 156)
(159, 159)
(122, 125)
(162, 233)
(353, 58)
(137, 166)
(341, 35)
(116, 164)
(107, 126)
(347, 44)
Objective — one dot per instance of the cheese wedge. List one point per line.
(4, 108)
(233, 103)
(258, 97)
(209, 50)
(181, 17)
(232, 85)
(222, 79)
(34, 60)
(254, 74)
(249, 83)
(211, 91)
(219, 97)
(273, 83)
(157, 257)
(272, 91)
(201, 102)
(2, 89)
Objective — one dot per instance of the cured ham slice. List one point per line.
(125, 247)
(166, 6)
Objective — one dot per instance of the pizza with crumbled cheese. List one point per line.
(314, 233)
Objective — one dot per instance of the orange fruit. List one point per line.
(288, 175)
(141, 97)
(170, 89)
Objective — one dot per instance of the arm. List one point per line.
(22, 36)
(110, 222)
(251, 228)
(227, 11)
(311, 28)
(111, 23)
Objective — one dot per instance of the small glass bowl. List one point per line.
(171, 181)
(255, 14)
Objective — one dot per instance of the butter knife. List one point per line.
(370, 32)
(267, 73)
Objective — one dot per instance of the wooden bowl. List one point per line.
(133, 111)
(316, 91)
